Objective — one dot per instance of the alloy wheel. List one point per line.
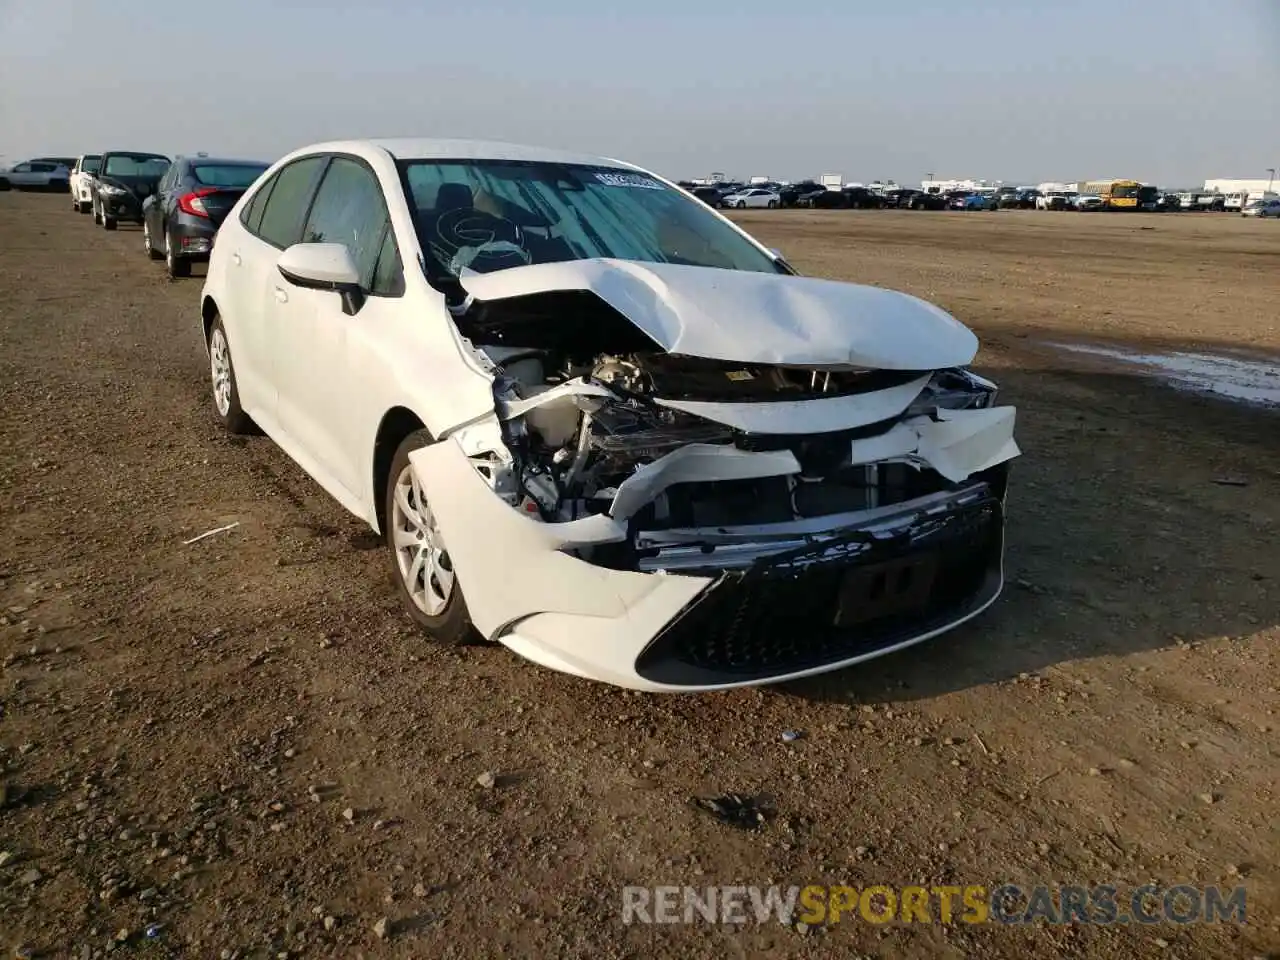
(421, 557)
(220, 371)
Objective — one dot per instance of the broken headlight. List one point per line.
(954, 389)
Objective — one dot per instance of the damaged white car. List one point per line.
(597, 422)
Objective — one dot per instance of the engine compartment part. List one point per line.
(673, 377)
(581, 436)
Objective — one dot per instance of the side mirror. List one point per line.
(324, 266)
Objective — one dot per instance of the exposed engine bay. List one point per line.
(692, 477)
(575, 428)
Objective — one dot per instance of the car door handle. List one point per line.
(281, 295)
(235, 258)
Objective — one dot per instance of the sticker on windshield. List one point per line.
(628, 180)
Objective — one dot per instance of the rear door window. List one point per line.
(286, 207)
(251, 216)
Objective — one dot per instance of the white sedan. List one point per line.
(754, 197)
(597, 422)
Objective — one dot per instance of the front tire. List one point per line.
(222, 373)
(108, 222)
(424, 575)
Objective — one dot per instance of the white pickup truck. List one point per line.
(82, 175)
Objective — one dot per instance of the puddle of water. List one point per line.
(1253, 381)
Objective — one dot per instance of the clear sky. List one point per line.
(1169, 91)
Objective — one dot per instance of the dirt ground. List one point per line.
(245, 741)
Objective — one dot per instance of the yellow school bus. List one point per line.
(1115, 194)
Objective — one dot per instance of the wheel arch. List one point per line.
(397, 423)
(208, 311)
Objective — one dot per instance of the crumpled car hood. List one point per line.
(747, 317)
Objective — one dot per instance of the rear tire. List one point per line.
(177, 267)
(451, 623)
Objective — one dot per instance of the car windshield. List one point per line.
(135, 165)
(227, 174)
(90, 164)
(487, 215)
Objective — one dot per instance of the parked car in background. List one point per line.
(82, 174)
(800, 194)
(1235, 202)
(1189, 202)
(1089, 202)
(728, 188)
(923, 200)
(193, 197)
(752, 197)
(1055, 201)
(42, 173)
(1168, 202)
(379, 309)
(1006, 198)
(125, 178)
(1262, 208)
(846, 198)
(980, 201)
(1022, 200)
(708, 195)
(861, 198)
(899, 198)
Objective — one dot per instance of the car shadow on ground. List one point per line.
(1139, 516)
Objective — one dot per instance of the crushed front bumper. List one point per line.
(855, 587)
(857, 595)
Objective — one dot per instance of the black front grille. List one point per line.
(791, 612)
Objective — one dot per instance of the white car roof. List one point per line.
(407, 148)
